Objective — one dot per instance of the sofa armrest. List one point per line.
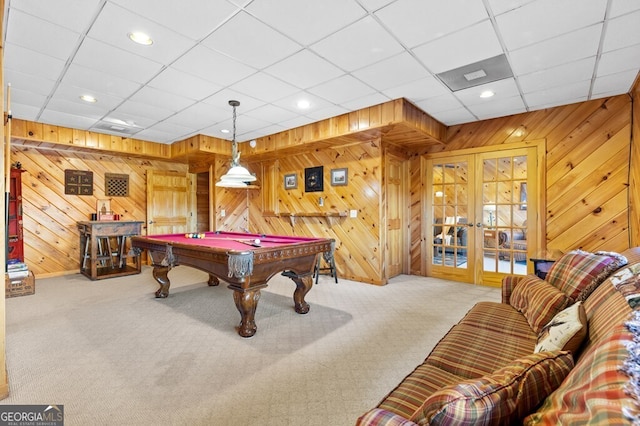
(508, 284)
(379, 417)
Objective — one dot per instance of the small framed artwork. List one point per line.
(338, 177)
(313, 180)
(291, 181)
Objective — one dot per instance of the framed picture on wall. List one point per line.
(313, 180)
(291, 181)
(339, 177)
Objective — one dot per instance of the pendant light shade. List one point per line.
(237, 176)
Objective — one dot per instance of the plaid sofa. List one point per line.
(477, 367)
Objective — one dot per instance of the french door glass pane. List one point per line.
(450, 213)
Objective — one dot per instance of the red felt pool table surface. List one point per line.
(237, 241)
(240, 260)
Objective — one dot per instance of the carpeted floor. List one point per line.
(113, 354)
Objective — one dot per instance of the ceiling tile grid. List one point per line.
(337, 55)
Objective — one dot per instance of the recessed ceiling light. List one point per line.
(140, 38)
(89, 98)
(303, 104)
(225, 130)
(487, 94)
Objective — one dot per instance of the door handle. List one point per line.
(150, 222)
(479, 225)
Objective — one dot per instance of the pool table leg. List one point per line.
(213, 281)
(304, 282)
(160, 274)
(247, 302)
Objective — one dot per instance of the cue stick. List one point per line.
(7, 179)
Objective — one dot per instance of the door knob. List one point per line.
(150, 222)
(479, 225)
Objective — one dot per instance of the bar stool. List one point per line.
(330, 261)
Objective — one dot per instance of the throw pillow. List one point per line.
(538, 301)
(565, 331)
(502, 398)
(627, 282)
(578, 272)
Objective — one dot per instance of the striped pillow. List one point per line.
(504, 397)
(578, 272)
(538, 301)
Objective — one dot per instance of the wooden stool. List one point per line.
(330, 261)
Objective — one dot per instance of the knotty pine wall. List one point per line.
(587, 171)
(268, 209)
(51, 238)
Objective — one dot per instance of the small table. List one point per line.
(543, 259)
(99, 258)
(245, 261)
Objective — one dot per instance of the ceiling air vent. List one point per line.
(120, 128)
(482, 72)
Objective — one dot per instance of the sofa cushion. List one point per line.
(489, 327)
(504, 397)
(578, 272)
(627, 282)
(538, 301)
(594, 391)
(378, 416)
(407, 397)
(565, 331)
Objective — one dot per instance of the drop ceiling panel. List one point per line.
(560, 50)
(59, 42)
(212, 66)
(532, 23)
(558, 76)
(181, 83)
(304, 69)
(427, 87)
(290, 103)
(551, 97)
(192, 18)
(27, 61)
(622, 32)
(358, 45)
(264, 87)
(315, 19)
(416, 22)
(115, 23)
(99, 82)
(59, 12)
(342, 89)
(503, 89)
(626, 59)
(102, 57)
(614, 83)
(260, 46)
(464, 47)
(399, 69)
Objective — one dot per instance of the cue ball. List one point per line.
(256, 241)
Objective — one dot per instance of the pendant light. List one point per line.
(237, 176)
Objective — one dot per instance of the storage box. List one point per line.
(20, 287)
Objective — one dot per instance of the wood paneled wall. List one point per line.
(634, 175)
(358, 248)
(587, 170)
(50, 235)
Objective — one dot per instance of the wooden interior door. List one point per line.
(450, 232)
(171, 202)
(395, 249)
(482, 215)
(506, 213)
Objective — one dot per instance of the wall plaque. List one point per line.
(78, 182)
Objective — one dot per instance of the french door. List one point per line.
(481, 215)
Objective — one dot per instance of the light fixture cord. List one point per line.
(235, 155)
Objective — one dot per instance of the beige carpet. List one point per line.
(113, 354)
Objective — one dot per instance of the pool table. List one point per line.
(245, 261)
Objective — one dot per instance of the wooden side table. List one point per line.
(542, 261)
(104, 248)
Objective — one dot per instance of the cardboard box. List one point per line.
(21, 287)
